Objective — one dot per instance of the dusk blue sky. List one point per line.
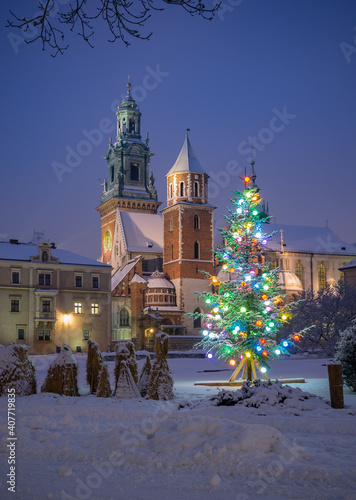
(225, 80)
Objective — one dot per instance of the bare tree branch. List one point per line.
(123, 18)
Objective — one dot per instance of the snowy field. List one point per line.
(93, 448)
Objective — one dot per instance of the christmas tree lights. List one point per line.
(246, 304)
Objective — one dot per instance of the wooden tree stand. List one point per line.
(248, 366)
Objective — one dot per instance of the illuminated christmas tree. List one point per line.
(247, 307)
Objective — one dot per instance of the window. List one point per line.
(112, 174)
(44, 335)
(15, 305)
(171, 190)
(46, 306)
(171, 224)
(15, 277)
(132, 126)
(86, 334)
(196, 189)
(124, 317)
(20, 333)
(44, 256)
(322, 277)
(134, 172)
(181, 189)
(171, 251)
(78, 308)
(95, 308)
(196, 250)
(196, 222)
(299, 271)
(44, 279)
(78, 281)
(95, 282)
(197, 320)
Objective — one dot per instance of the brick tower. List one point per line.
(188, 232)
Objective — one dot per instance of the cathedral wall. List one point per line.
(188, 300)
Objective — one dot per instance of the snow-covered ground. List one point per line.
(93, 448)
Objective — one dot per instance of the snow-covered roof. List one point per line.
(166, 309)
(289, 281)
(187, 160)
(24, 252)
(143, 232)
(308, 239)
(137, 279)
(158, 280)
(121, 273)
(349, 265)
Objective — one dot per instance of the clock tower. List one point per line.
(129, 186)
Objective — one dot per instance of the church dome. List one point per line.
(129, 101)
(289, 281)
(158, 280)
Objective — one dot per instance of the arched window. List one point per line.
(196, 222)
(196, 189)
(171, 251)
(132, 126)
(322, 277)
(171, 190)
(196, 250)
(299, 272)
(112, 174)
(171, 224)
(124, 317)
(197, 320)
(181, 188)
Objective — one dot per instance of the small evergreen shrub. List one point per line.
(346, 353)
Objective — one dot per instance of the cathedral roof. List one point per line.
(120, 274)
(309, 239)
(289, 281)
(187, 160)
(128, 101)
(143, 232)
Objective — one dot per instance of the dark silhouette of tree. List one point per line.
(124, 19)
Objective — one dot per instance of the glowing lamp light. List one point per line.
(278, 352)
(247, 179)
(258, 235)
(252, 272)
(215, 310)
(209, 355)
(235, 235)
(66, 318)
(259, 322)
(214, 280)
(265, 287)
(296, 337)
(248, 354)
(227, 295)
(263, 369)
(257, 285)
(264, 242)
(255, 212)
(284, 317)
(205, 333)
(209, 325)
(208, 301)
(264, 296)
(271, 324)
(225, 256)
(267, 303)
(232, 270)
(225, 266)
(232, 362)
(268, 329)
(243, 283)
(218, 316)
(239, 239)
(264, 353)
(262, 341)
(248, 278)
(248, 195)
(285, 343)
(241, 201)
(241, 356)
(239, 210)
(255, 198)
(268, 308)
(258, 348)
(243, 309)
(226, 308)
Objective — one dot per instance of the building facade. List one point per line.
(49, 296)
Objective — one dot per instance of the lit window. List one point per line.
(124, 317)
(78, 308)
(86, 334)
(299, 271)
(95, 308)
(322, 277)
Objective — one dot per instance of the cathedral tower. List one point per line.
(188, 231)
(129, 187)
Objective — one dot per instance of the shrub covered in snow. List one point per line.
(62, 374)
(94, 364)
(126, 386)
(17, 371)
(160, 383)
(125, 351)
(104, 388)
(144, 377)
(264, 393)
(346, 353)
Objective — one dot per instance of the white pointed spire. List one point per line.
(187, 160)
